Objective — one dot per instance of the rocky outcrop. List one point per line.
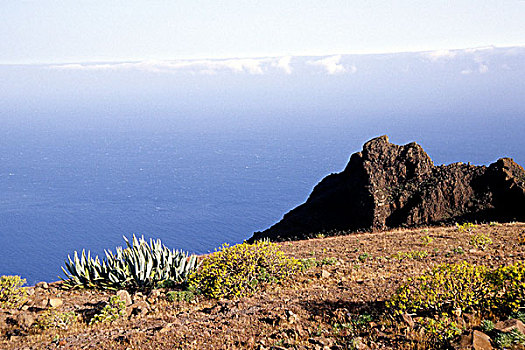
(387, 185)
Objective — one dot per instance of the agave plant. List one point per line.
(138, 266)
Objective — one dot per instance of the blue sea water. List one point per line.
(90, 155)
(193, 190)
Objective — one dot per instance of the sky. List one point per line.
(59, 31)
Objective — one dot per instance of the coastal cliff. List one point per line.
(387, 186)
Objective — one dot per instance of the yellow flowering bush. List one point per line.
(509, 287)
(462, 286)
(445, 288)
(466, 227)
(242, 269)
(12, 294)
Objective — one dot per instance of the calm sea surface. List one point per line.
(67, 191)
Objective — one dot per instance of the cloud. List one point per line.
(480, 49)
(483, 68)
(284, 64)
(332, 65)
(252, 66)
(439, 54)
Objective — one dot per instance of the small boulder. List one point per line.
(139, 308)
(408, 320)
(291, 317)
(124, 296)
(24, 319)
(508, 325)
(42, 285)
(54, 302)
(39, 302)
(480, 341)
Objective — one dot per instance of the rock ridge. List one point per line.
(387, 186)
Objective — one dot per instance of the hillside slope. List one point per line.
(335, 304)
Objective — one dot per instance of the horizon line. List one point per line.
(260, 56)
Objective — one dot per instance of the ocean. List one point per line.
(197, 160)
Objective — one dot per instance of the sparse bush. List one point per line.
(363, 257)
(114, 309)
(487, 326)
(426, 240)
(518, 315)
(328, 261)
(510, 339)
(181, 295)
(12, 294)
(466, 227)
(308, 263)
(412, 255)
(54, 319)
(441, 330)
(458, 250)
(480, 240)
(242, 269)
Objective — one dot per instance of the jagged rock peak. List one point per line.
(387, 185)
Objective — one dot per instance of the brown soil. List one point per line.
(306, 313)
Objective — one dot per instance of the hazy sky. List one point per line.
(58, 31)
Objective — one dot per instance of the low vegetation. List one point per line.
(114, 309)
(140, 266)
(242, 270)
(349, 292)
(54, 319)
(12, 294)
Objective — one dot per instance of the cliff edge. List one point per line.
(387, 185)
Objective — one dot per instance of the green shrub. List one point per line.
(114, 309)
(328, 261)
(487, 326)
(458, 250)
(308, 263)
(140, 266)
(508, 340)
(12, 294)
(441, 330)
(180, 295)
(242, 269)
(426, 240)
(54, 319)
(480, 240)
(412, 255)
(363, 257)
(518, 315)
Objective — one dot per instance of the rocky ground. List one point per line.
(335, 304)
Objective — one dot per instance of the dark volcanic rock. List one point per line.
(387, 185)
